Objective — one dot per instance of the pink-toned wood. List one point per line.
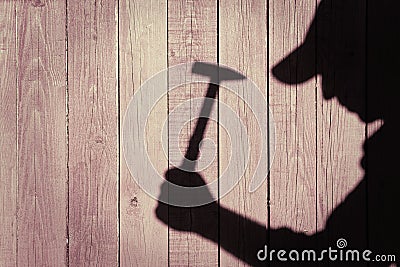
(8, 133)
(41, 134)
(143, 53)
(293, 176)
(320, 144)
(340, 150)
(243, 46)
(192, 36)
(93, 133)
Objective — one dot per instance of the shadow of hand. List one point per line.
(193, 219)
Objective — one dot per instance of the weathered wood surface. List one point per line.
(142, 53)
(69, 70)
(192, 36)
(8, 133)
(243, 46)
(293, 173)
(92, 133)
(41, 133)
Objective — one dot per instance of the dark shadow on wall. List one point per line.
(353, 46)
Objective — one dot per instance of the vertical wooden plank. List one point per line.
(143, 53)
(192, 36)
(341, 131)
(292, 100)
(243, 46)
(8, 135)
(93, 133)
(42, 149)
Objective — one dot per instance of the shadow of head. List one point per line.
(353, 47)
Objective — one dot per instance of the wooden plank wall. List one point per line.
(243, 46)
(192, 36)
(142, 53)
(8, 133)
(41, 133)
(68, 70)
(92, 133)
(294, 112)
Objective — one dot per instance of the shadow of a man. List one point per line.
(353, 46)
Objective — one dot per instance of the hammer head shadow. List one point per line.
(216, 73)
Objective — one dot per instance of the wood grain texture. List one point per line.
(68, 70)
(8, 133)
(41, 134)
(293, 174)
(192, 36)
(93, 133)
(243, 46)
(143, 53)
(341, 205)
